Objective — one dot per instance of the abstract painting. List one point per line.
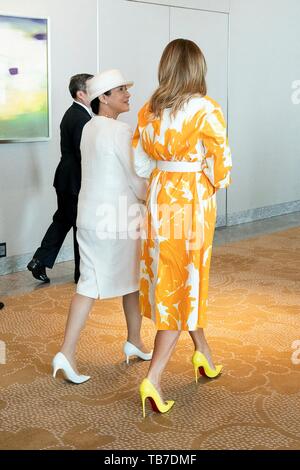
(24, 79)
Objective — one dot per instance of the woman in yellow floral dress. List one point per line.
(180, 144)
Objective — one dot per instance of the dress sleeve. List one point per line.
(124, 152)
(143, 164)
(217, 161)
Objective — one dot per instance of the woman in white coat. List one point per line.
(108, 221)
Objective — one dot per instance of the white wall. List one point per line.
(209, 5)
(134, 22)
(264, 124)
(27, 198)
(138, 52)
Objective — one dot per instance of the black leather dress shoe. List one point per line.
(38, 270)
(1, 305)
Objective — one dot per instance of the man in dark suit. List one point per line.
(67, 183)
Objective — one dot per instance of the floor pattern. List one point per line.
(254, 323)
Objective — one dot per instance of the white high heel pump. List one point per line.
(60, 362)
(131, 350)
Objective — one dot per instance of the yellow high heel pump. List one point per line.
(201, 364)
(147, 390)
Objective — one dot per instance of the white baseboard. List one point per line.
(262, 213)
(13, 264)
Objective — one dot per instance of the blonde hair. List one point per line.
(181, 75)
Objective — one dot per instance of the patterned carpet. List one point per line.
(254, 316)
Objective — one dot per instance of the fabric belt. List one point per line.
(180, 167)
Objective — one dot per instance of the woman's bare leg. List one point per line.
(165, 342)
(201, 345)
(133, 319)
(79, 310)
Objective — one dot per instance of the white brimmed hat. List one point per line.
(105, 81)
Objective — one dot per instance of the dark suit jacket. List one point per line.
(68, 173)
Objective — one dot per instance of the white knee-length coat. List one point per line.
(108, 217)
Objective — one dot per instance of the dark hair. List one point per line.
(78, 83)
(95, 104)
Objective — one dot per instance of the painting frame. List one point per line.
(47, 115)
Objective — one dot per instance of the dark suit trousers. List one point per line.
(63, 220)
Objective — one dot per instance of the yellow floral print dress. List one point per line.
(181, 210)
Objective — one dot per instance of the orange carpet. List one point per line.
(254, 313)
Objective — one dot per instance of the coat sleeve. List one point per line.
(123, 139)
(217, 161)
(143, 164)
